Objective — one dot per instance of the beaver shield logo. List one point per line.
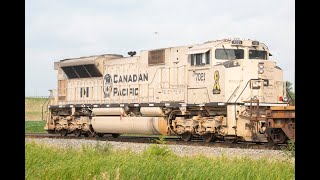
(216, 86)
(107, 85)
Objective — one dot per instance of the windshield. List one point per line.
(229, 54)
(255, 54)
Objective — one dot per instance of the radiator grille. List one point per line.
(156, 57)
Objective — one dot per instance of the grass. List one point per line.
(33, 108)
(289, 150)
(34, 126)
(156, 162)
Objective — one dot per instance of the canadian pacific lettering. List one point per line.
(129, 78)
(111, 80)
(125, 91)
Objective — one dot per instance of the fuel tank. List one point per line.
(129, 125)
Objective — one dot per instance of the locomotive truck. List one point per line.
(225, 89)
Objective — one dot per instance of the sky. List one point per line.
(56, 30)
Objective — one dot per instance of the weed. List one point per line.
(161, 140)
(156, 150)
(289, 150)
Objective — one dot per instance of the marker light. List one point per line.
(261, 71)
(280, 98)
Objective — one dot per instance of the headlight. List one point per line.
(261, 66)
(285, 99)
(261, 71)
(255, 43)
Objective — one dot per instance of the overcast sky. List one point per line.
(63, 29)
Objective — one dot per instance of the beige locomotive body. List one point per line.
(216, 90)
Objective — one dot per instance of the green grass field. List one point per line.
(33, 108)
(156, 162)
(34, 126)
(33, 115)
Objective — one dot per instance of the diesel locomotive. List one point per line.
(225, 89)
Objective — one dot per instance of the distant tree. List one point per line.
(289, 89)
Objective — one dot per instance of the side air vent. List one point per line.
(81, 71)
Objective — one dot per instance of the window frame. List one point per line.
(266, 54)
(194, 59)
(215, 53)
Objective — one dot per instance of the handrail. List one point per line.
(233, 93)
(243, 89)
(42, 107)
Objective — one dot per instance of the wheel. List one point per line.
(77, 132)
(51, 131)
(86, 134)
(208, 137)
(231, 140)
(100, 134)
(63, 132)
(186, 136)
(115, 135)
(277, 136)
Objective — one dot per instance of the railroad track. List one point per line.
(154, 140)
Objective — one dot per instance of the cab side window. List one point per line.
(200, 59)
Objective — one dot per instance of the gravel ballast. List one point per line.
(181, 150)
